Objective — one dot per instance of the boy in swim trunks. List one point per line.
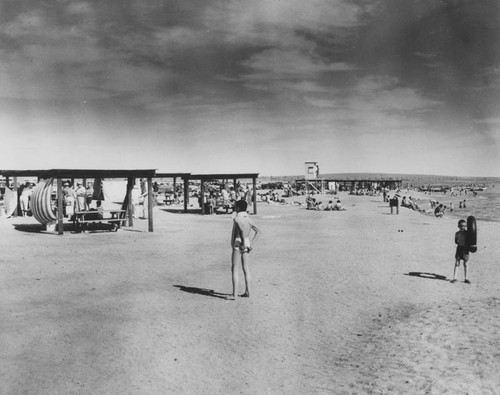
(241, 245)
(462, 252)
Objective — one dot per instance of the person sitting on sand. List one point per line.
(439, 211)
(311, 203)
(329, 206)
(338, 206)
(319, 206)
(241, 246)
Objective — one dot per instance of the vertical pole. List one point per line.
(60, 214)
(202, 193)
(254, 195)
(14, 214)
(150, 204)
(186, 193)
(130, 206)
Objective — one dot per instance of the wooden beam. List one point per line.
(202, 193)
(254, 195)
(186, 194)
(150, 204)
(60, 213)
(14, 214)
(130, 206)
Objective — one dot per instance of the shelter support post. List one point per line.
(14, 214)
(254, 195)
(130, 206)
(202, 199)
(60, 213)
(150, 204)
(186, 194)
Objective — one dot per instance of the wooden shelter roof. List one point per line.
(222, 176)
(172, 175)
(80, 173)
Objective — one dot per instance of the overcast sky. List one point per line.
(401, 86)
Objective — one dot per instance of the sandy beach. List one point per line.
(349, 302)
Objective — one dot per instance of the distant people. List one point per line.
(338, 206)
(211, 203)
(232, 195)
(329, 206)
(319, 206)
(241, 246)
(451, 207)
(462, 252)
(143, 200)
(460, 205)
(135, 199)
(24, 199)
(89, 195)
(69, 198)
(80, 197)
(439, 211)
(249, 197)
(464, 205)
(225, 197)
(310, 202)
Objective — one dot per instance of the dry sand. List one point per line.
(333, 307)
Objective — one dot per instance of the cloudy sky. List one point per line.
(402, 86)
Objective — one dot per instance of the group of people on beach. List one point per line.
(226, 198)
(313, 204)
(77, 199)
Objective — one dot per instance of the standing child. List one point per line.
(241, 245)
(462, 253)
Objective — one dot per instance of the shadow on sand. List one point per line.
(39, 228)
(202, 291)
(181, 211)
(431, 276)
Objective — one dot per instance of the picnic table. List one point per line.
(82, 220)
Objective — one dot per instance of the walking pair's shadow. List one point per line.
(202, 291)
(431, 276)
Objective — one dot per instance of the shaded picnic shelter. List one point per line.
(185, 180)
(234, 177)
(84, 174)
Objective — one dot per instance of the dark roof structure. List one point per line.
(223, 176)
(80, 173)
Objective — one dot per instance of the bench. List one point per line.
(82, 219)
(222, 204)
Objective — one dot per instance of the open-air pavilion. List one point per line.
(225, 177)
(348, 183)
(60, 174)
(185, 180)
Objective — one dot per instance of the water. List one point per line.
(485, 206)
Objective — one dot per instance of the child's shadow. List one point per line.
(431, 276)
(202, 291)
